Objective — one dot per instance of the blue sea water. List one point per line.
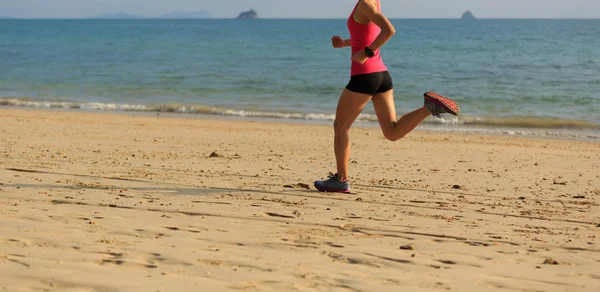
(508, 75)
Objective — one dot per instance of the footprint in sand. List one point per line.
(17, 242)
(336, 257)
(117, 258)
(10, 257)
(175, 228)
(335, 245)
(277, 215)
(232, 265)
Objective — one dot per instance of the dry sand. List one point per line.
(118, 202)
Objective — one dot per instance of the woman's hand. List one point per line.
(338, 42)
(360, 57)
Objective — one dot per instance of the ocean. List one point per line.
(515, 77)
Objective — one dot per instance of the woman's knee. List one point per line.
(340, 127)
(392, 135)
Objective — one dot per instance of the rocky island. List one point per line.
(250, 14)
(468, 15)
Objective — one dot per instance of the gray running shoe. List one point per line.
(439, 105)
(333, 185)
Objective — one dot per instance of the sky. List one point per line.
(304, 8)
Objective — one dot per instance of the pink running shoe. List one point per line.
(439, 105)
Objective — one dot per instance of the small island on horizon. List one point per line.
(468, 15)
(250, 14)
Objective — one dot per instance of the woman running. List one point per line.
(370, 80)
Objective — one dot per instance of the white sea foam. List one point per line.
(514, 126)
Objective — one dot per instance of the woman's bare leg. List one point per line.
(394, 129)
(350, 105)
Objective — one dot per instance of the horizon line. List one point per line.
(289, 18)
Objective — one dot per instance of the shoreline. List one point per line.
(534, 133)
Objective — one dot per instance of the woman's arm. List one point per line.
(369, 9)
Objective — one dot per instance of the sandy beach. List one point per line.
(126, 202)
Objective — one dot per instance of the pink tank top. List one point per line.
(361, 36)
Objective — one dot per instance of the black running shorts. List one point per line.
(371, 84)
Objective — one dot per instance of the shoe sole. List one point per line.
(326, 190)
(449, 105)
